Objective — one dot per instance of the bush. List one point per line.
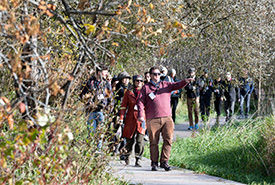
(57, 153)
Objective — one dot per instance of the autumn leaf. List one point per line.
(151, 6)
(22, 107)
(51, 6)
(115, 44)
(24, 39)
(50, 14)
(11, 121)
(90, 28)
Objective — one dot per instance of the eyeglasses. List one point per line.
(139, 80)
(155, 74)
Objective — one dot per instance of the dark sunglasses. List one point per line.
(139, 80)
(155, 74)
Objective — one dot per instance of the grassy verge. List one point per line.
(242, 151)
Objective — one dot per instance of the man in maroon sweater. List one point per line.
(154, 98)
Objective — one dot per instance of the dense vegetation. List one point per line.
(241, 151)
(48, 48)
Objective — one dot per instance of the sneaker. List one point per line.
(241, 117)
(146, 138)
(138, 164)
(196, 126)
(190, 128)
(154, 166)
(166, 166)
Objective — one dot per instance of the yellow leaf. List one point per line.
(3, 162)
(115, 44)
(90, 28)
(151, 6)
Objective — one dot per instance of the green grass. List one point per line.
(235, 152)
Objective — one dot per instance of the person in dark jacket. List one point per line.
(122, 86)
(206, 89)
(164, 75)
(193, 95)
(174, 94)
(231, 90)
(218, 92)
(97, 92)
(134, 130)
(246, 89)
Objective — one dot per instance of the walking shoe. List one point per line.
(127, 161)
(190, 128)
(154, 166)
(166, 166)
(196, 126)
(138, 164)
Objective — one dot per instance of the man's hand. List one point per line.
(141, 119)
(120, 122)
(188, 80)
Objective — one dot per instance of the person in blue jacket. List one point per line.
(246, 89)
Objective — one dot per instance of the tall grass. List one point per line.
(242, 151)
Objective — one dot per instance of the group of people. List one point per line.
(148, 106)
(229, 90)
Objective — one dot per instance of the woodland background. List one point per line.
(49, 48)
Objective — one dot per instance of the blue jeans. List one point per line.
(95, 119)
(246, 99)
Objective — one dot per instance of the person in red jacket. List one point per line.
(154, 98)
(134, 130)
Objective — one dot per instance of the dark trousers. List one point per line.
(218, 105)
(229, 106)
(138, 140)
(174, 104)
(246, 99)
(205, 107)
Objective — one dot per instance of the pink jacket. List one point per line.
(160, 106)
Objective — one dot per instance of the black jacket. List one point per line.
(218, 89)
(100, 94)
(206, 86)
(193, 89)
(231, 90)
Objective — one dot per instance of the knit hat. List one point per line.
(137, 77)
(122, 75)
(205, 71)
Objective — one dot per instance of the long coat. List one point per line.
(131, 121)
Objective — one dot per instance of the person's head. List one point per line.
(147, 76)
(155, 74)
(163, 71)
(192, 71)
(205, 72)
(101, 71)
(124, 78)
(137, 81)
(172, 73)
(114, 80)
(228, 76)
